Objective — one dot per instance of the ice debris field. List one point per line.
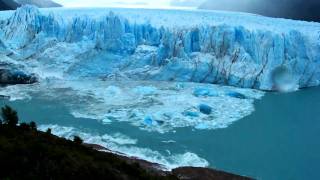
(151, 106)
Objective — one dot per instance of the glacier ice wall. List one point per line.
(118, 46)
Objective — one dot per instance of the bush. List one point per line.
(9, 116)
(33, 125)
(25, 126)
(77, 140)
(48, 131)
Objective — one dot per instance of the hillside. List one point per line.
(14, 4)
(294, 9)
(26, 153)
(40, 3)
(8, 5)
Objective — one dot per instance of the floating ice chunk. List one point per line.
(202, 126)
(202, 91)
(180, 86)
(205, 109)
(191, 113)
(113, 90)
(169, 142)
(236, 95)
(148, 121)
(145, 90)
(119, 138)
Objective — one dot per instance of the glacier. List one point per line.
(235, 49)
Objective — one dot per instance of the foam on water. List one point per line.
(120, 143)
(15, 92)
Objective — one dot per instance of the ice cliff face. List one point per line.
(120, 46)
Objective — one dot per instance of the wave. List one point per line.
(124, 144)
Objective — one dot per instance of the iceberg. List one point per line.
(205, 109)
(235, 49)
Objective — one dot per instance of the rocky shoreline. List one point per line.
(190, 173)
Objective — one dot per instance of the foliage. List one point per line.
(49, 131)
(26, 153)
(33, 125)
(77, 140)
(9, 116)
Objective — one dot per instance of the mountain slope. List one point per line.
(291, 9)
(14, 4)
(39, 3)
(8, 5)
(26, 153)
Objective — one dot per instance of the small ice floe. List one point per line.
(180, 86)
(113, 90)
(205, 109)
(149, 121)
(145, 90)
(202, 126)
(169, 142)
(235, 94)
(203, 91)
(191, 113)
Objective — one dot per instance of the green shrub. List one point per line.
(33, 125)
(9, 116)
(25, 126)
(77, 140)
(49, 131)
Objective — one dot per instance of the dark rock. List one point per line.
(193, 173)
(4, 97)
(8, 77)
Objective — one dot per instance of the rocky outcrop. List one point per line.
(9, 77)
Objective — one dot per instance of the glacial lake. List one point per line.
(279, 140)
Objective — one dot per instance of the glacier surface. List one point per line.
(236, 49)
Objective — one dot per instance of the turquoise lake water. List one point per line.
(279, 140)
